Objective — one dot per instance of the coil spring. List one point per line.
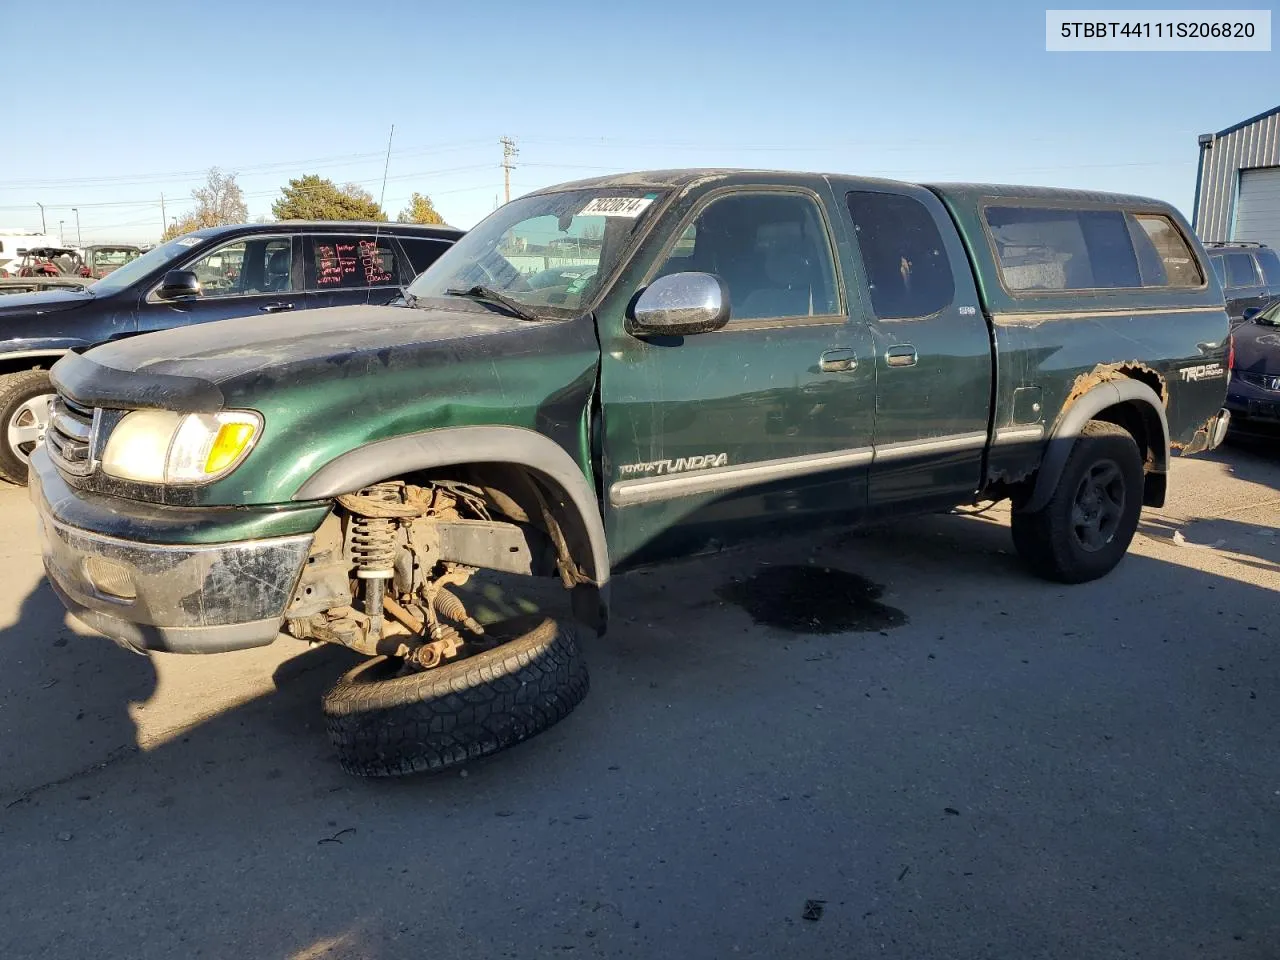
(373, 539)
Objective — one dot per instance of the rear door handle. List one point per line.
(839, 360)
(900, 355)
(276, 307)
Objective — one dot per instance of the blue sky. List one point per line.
(146, 96)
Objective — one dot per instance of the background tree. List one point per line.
(219, 201)
(420, 210)
(314, 198)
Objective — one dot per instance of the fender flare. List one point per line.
(456, 446)
(1109, 393)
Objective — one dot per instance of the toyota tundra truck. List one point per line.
(617, 372)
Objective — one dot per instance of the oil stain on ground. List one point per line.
(812, 600)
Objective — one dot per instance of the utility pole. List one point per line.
(76, 211)
(164, 223)
(43, 228)
(509, 153)
(61, 234)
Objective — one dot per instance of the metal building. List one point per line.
(1238, 182)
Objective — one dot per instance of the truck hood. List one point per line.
(211, 365)
(46, 301)
(1257, 348)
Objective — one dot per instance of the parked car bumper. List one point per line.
(1254, 408)
(182, 598)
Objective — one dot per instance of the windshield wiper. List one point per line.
(483, 294)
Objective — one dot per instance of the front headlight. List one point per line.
(159, 446)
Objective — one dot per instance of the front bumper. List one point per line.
(197, 598)
(1253, 403)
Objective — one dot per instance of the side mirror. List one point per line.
(178, 284)
(1250, 313)
(680, 304)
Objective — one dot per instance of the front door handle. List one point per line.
(280, 307)
(900, 355)
(839, 360)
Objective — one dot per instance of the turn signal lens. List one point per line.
(227, 446)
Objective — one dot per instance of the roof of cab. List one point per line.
(639, 179)
(977, 192)
(973, 192)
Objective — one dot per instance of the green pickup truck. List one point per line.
(617, 372)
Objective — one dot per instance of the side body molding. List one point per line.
(455, 446)
(1109, 393)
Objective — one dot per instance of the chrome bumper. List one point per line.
(206, 598)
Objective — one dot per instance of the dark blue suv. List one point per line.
(1249, 274)
(212, 274)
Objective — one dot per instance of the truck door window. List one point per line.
(1045, 248)
(771, 250)
(1164, 258)
(1241, 270)
(1219, 269)
(908, 273)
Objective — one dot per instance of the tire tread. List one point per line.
(1040, 536)
(435, 719)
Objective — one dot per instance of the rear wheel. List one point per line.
(1088, 523)
(24, 418)
(385, 722)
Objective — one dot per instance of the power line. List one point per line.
(160, 177)
(258, 193)
(806, 144)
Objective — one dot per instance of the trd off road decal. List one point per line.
(679, 465)
(1204, 371)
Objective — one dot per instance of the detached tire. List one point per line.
(1086, 528)
(384, 725)
(24, 416)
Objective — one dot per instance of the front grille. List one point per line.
(71, 435)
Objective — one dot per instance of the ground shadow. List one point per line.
(64, 698)
(1016, 768)
(1250, 457)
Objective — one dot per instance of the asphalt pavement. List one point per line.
(888, 743)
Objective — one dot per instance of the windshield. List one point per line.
(1270, 316)
(114, 256)
(135, 270)
(549, 253)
